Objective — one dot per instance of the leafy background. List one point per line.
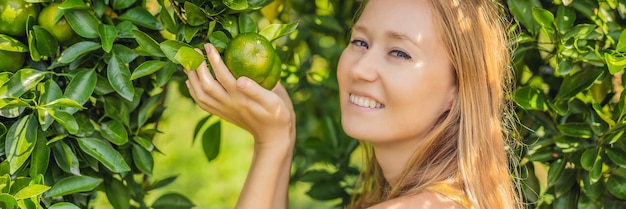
(568, 59)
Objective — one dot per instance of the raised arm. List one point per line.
(268, 115)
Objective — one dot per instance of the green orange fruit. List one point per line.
(14, 16)
(58, 27)
(252, 55)
(11, 61)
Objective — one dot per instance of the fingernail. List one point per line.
(187, 83)
(243, 82)
(208, 47)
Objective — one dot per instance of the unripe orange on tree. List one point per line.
(60, 29)
(11, 61)
(13, 16)
(252, 55)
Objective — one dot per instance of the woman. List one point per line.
(422, 82)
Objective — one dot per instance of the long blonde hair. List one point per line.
(469, 148)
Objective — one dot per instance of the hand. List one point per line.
(241, 101)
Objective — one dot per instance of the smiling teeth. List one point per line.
(365, 102)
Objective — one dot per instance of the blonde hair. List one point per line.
(469, 148)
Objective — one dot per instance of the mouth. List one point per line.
(365, 102)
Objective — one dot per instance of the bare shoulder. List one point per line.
(423, 200)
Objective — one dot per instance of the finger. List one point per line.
(202, 101)
(222, 73)
(254, 91)
(204, 74)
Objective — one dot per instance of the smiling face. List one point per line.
(395, 79)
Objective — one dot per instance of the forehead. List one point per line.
(411, 17)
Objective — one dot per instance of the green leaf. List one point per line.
(544, 18)
(119, 77)
(63, 102)
(522, 11)
(581, 31)
(581, 130)
(115, 132)
(589, 158)
(162, 183)
(8, 43)
(77, 50)
(170, 48)
(172, 201)
(530, 98)
(147, 68)
(163, 76)
(117, 110)
(65, 119)
(167, 21)
(81, 87)
(142, 159)
(621, 43)
(105, 153)
(198, 128)
(555, 170)
(32, 46)
(189, 58)
(125, 29)
(614, 62)
(40, 158)
(107, 34)
(83, 22)
(147, 43)
(50, 91)
(63, 205)
(20, 141)
(616, 155)
(122, 4)
(31, 191)
(617, 186)
(236, 4)
(65, 157)
(46, 44)
(8, 201)
(124, 53)
(73, 4)
(73, 184)
(229, 23)
(189, 32)
(146, 110)
(577, 83)
(596, 171)
(22, 81)
(194, 14)
(565, 17)
(274, 31)
(219, 40)
(211, 140)
(246, 24)
(117, 193)
(592, 190)
(141, 17)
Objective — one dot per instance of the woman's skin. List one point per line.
(395, 81)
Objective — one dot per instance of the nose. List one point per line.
(366, 66)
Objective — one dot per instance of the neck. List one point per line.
(393, 157)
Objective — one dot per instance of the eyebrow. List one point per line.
(390, 34)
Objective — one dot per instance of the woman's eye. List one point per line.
(401, 54)
(359, 43)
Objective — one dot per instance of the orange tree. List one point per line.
(79, 115)
(569, 62)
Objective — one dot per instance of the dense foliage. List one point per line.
(79, 116)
